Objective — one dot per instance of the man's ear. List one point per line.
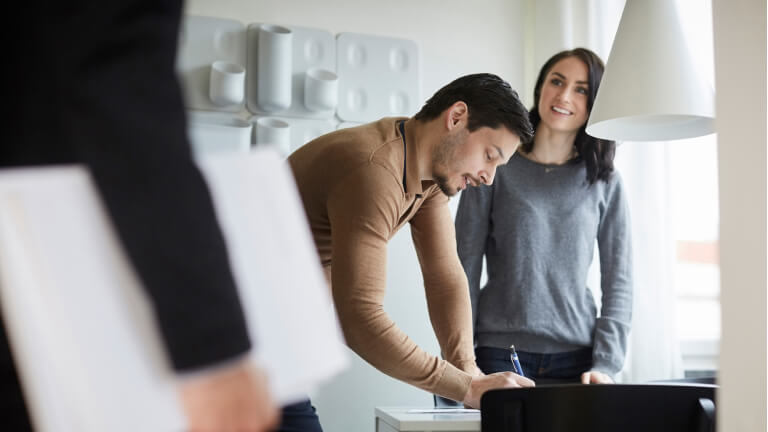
(456, 115)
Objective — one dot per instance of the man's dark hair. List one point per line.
(491, 102)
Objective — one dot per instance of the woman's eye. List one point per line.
(556, 81)
(582, 90)
(487, 156)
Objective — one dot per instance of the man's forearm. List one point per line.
(377, 339)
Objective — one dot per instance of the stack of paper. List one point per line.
(89, 353)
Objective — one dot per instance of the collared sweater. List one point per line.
(359, 186)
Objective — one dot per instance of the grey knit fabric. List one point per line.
(536, 226)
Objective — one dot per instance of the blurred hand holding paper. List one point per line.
(89, 354)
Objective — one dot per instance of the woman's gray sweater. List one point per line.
(536, 226)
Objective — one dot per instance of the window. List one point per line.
(694, 209)
(695, 214)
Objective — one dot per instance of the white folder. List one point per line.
(87, 348)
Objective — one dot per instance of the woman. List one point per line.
(537, 226)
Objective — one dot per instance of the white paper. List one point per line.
(89, 353)
(444, 411)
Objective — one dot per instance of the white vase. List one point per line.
(275, 133)
(227, 83)
(275, 68)
(321, 89)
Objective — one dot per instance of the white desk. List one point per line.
(399, 419)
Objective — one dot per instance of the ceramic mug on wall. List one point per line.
(275, 63)
(273, 132)
(227, 83)
(321, 90)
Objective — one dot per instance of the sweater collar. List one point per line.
(411, 179)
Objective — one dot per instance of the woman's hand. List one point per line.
(595, 377)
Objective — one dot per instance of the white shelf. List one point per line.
(303, 130)
(378, 77)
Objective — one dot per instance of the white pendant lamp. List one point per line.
(651, 90)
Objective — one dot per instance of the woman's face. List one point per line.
(564, 93)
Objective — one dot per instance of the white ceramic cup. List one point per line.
(275, 63)
(227, 83)
(275, 133)
(321, 89)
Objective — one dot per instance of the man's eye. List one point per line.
(487, 156)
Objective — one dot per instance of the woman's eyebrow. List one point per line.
(561, 76)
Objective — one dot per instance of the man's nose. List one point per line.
(487, 176)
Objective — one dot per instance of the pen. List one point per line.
(516, 361)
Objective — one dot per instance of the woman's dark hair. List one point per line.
(596, 153)
(491, 102)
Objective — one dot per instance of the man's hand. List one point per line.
(595, 377)
(235, 398)
(481, 384)
(472, 369)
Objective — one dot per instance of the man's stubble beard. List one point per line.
(443, 160)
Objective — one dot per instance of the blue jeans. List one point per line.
(300, 417)
(556, 368)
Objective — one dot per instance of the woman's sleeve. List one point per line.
(615, 246)
(473, 223)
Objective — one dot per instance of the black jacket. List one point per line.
(93, 82)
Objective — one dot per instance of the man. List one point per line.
(104, 74)
(360, 185)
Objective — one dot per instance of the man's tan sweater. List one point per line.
(359, 187)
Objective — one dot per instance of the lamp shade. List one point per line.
(651, 90)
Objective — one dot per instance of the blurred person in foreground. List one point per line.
(96, 85)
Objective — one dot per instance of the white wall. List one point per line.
(740, 73)
(455, 38)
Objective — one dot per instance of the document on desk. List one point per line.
(90, 355)
(444, 411)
